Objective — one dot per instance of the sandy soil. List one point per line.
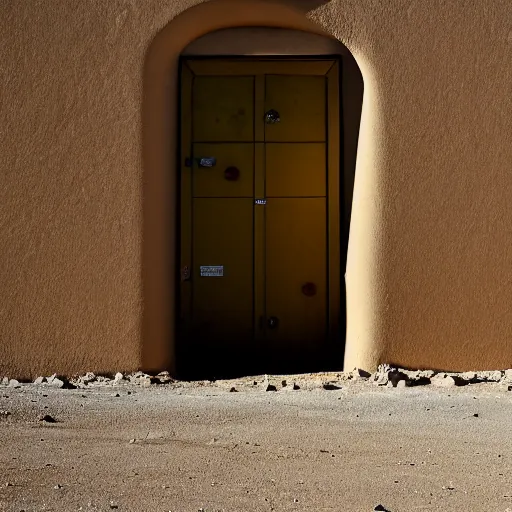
(191, 447)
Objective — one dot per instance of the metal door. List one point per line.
(255, 217)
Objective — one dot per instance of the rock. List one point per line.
(447, 381)
(57, 383)
(469, 376)
(50, 378)
(381, 508)
(426, 374)
(284, 383)
(233, 390)
(164, 377)
(396, 376)
(39, 380)
(358, 373)
(381, 376)
(330, 387)
(403, 383)
(118, 377)
(270, 387)
(13, 383)
(507, 375)
(489, 376)
(4, 414)
(58, 486)
(5, 381)
(145, 382)
(88, 378)
(47, 418)
(381, 380)
(296, 386)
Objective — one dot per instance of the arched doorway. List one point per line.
(162, 291)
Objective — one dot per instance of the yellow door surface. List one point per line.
(296, 215)
(257, 214)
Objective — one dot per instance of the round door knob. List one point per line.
(272, 116)
(231, 173)
(273, 322)
(309, 289)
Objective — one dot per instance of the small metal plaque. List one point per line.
(260, 201)
(212, 270)
(207, 161)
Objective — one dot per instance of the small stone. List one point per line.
(88, 378)
(4, 414)
(13, 383)
(283, 383)
(233, 390)
(164, 377)
(270, 387)
(296, 386)
(448, 381)
(328, 386)
(57, 383)
(58, 486)
(8, 484)
(5, 381)
(118, 377)
(508, 375)
(132, 441)
(113, 505)
(489, 376)
(47, 418)
(39, 380)
(509, 388)
(396, 376)
(295, 500)
(403, 383)
(469, 376)
(475, 415)
(116, 395)
(381, 508)
(359, 373)
(144, 381)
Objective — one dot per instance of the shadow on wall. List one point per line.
(160, 251)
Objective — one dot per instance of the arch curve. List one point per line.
(160, 148)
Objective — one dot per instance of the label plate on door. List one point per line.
(212, 270)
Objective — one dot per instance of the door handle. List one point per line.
(185, 273)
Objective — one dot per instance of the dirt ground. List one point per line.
(199, 446)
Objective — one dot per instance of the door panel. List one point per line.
(300, 102)
(296, 255)
(295, 170)
(213, 181)
(223, 236)
(223, 109)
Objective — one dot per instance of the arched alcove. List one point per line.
(216, 28)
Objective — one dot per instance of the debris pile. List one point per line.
(385, 375)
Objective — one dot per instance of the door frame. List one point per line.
(329, 66)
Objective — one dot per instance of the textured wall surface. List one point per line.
(86, 147)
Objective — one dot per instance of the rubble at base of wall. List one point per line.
(385, 375)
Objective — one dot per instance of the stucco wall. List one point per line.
(430, 252)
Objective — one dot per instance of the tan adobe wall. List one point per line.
(88, 125)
